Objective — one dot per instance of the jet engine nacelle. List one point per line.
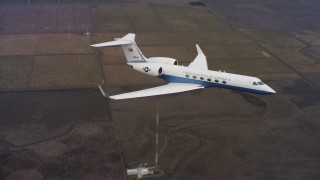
(163, 60)
(148, 68)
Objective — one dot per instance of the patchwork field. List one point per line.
(56, 125)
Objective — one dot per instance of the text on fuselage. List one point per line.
(206, 76)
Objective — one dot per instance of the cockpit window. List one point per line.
(260, 83)
(254, 83)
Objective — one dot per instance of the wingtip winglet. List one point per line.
(104, 92)
(199, 49)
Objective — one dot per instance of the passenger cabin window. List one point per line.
(216, 80)
(201, 78)
(187, 76)
(194, 77)
(260, 83)
(209, 79)
(223, 82)
(254, 83)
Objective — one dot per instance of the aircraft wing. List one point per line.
(200, 62)
(160, 90)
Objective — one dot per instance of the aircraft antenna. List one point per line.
(143, 170)
(157, 136)
(87, 33)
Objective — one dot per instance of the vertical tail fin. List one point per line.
(129, 47)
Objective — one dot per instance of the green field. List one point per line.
(160, 31)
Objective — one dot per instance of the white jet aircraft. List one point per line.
(180, 78)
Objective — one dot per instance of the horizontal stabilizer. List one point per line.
(129, 47)
(113, 43)
(127, 39)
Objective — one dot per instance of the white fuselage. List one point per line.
(180, 78)
(205, 78)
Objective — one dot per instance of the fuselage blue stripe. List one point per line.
(174, 79)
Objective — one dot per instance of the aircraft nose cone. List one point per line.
(269, 89)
